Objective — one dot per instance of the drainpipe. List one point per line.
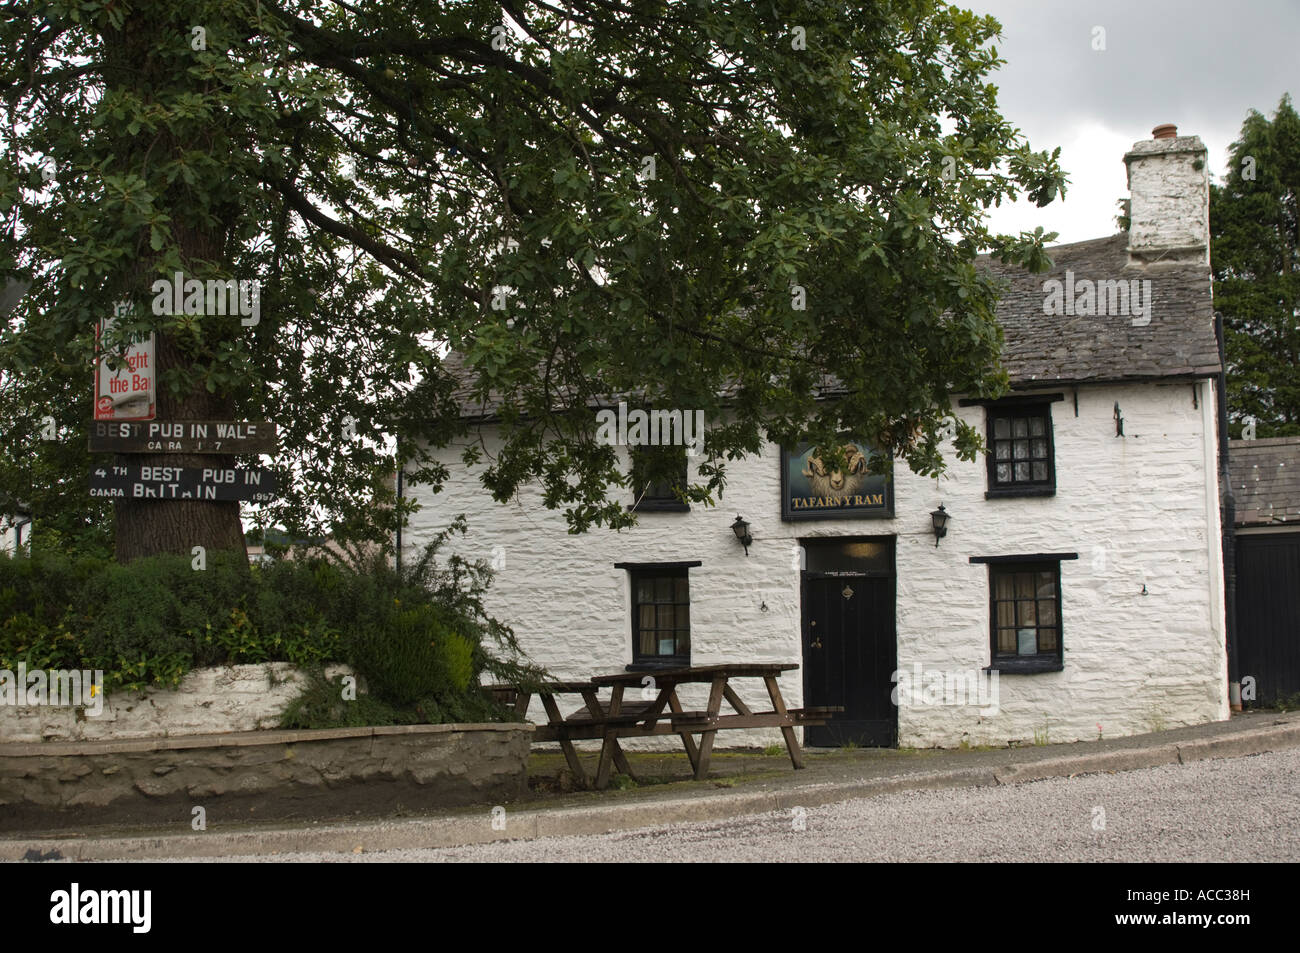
(1228, 518)
(400, 468)
(18, 534)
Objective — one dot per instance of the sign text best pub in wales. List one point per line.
(183, 436)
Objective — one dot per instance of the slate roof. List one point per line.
(1041, 349)
(1178, 341)
(462, 377)
(1265, 480)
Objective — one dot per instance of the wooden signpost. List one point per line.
(137, 482)
(182, 436)
(125, 403)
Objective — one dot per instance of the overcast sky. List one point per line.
(1198, 64)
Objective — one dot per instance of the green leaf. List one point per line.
(810, 174)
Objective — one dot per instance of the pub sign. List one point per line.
(811, 490)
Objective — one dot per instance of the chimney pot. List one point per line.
(1165, 130)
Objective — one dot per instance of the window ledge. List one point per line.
(1002, 492)
(1027, 666)
(691, 564)
(658, 664)
(655, 506)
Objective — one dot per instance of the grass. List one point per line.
(774, 751)
(1043, 737)
(1155, 720)
(1285, 703)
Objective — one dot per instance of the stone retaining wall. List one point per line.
(208, 700)
(260, 774)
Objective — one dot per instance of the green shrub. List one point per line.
(322, 705)
(408, 654)
(420, 639)
(458, 657)
(395, 651)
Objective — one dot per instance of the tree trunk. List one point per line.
(149, 527)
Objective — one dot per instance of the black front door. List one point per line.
(849, 651)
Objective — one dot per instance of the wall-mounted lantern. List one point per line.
(741, 529)
(939, 522)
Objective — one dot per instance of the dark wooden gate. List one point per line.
(849, 648)
(1268, 614)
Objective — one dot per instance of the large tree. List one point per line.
(721, 206)
(1255, 228)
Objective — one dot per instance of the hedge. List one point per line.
(420, 639)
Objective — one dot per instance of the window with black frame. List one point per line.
(661, 616)
(1021, 457)
(658, 474)
(1025, 616)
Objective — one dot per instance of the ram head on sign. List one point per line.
(837, 484)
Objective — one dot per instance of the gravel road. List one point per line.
(1238, 809)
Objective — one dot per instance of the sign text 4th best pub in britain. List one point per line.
(139, 482)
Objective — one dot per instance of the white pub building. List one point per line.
(1075, 592)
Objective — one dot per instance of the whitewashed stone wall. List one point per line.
(1139, 510)
(9, 533)
(207, 701)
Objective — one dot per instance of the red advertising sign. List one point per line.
(125, 385)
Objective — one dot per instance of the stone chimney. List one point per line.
(1169, 211)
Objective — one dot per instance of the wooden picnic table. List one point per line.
(624, 718)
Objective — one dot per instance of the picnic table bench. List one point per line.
(619, 717)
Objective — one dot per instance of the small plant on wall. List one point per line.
(1042, 736)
